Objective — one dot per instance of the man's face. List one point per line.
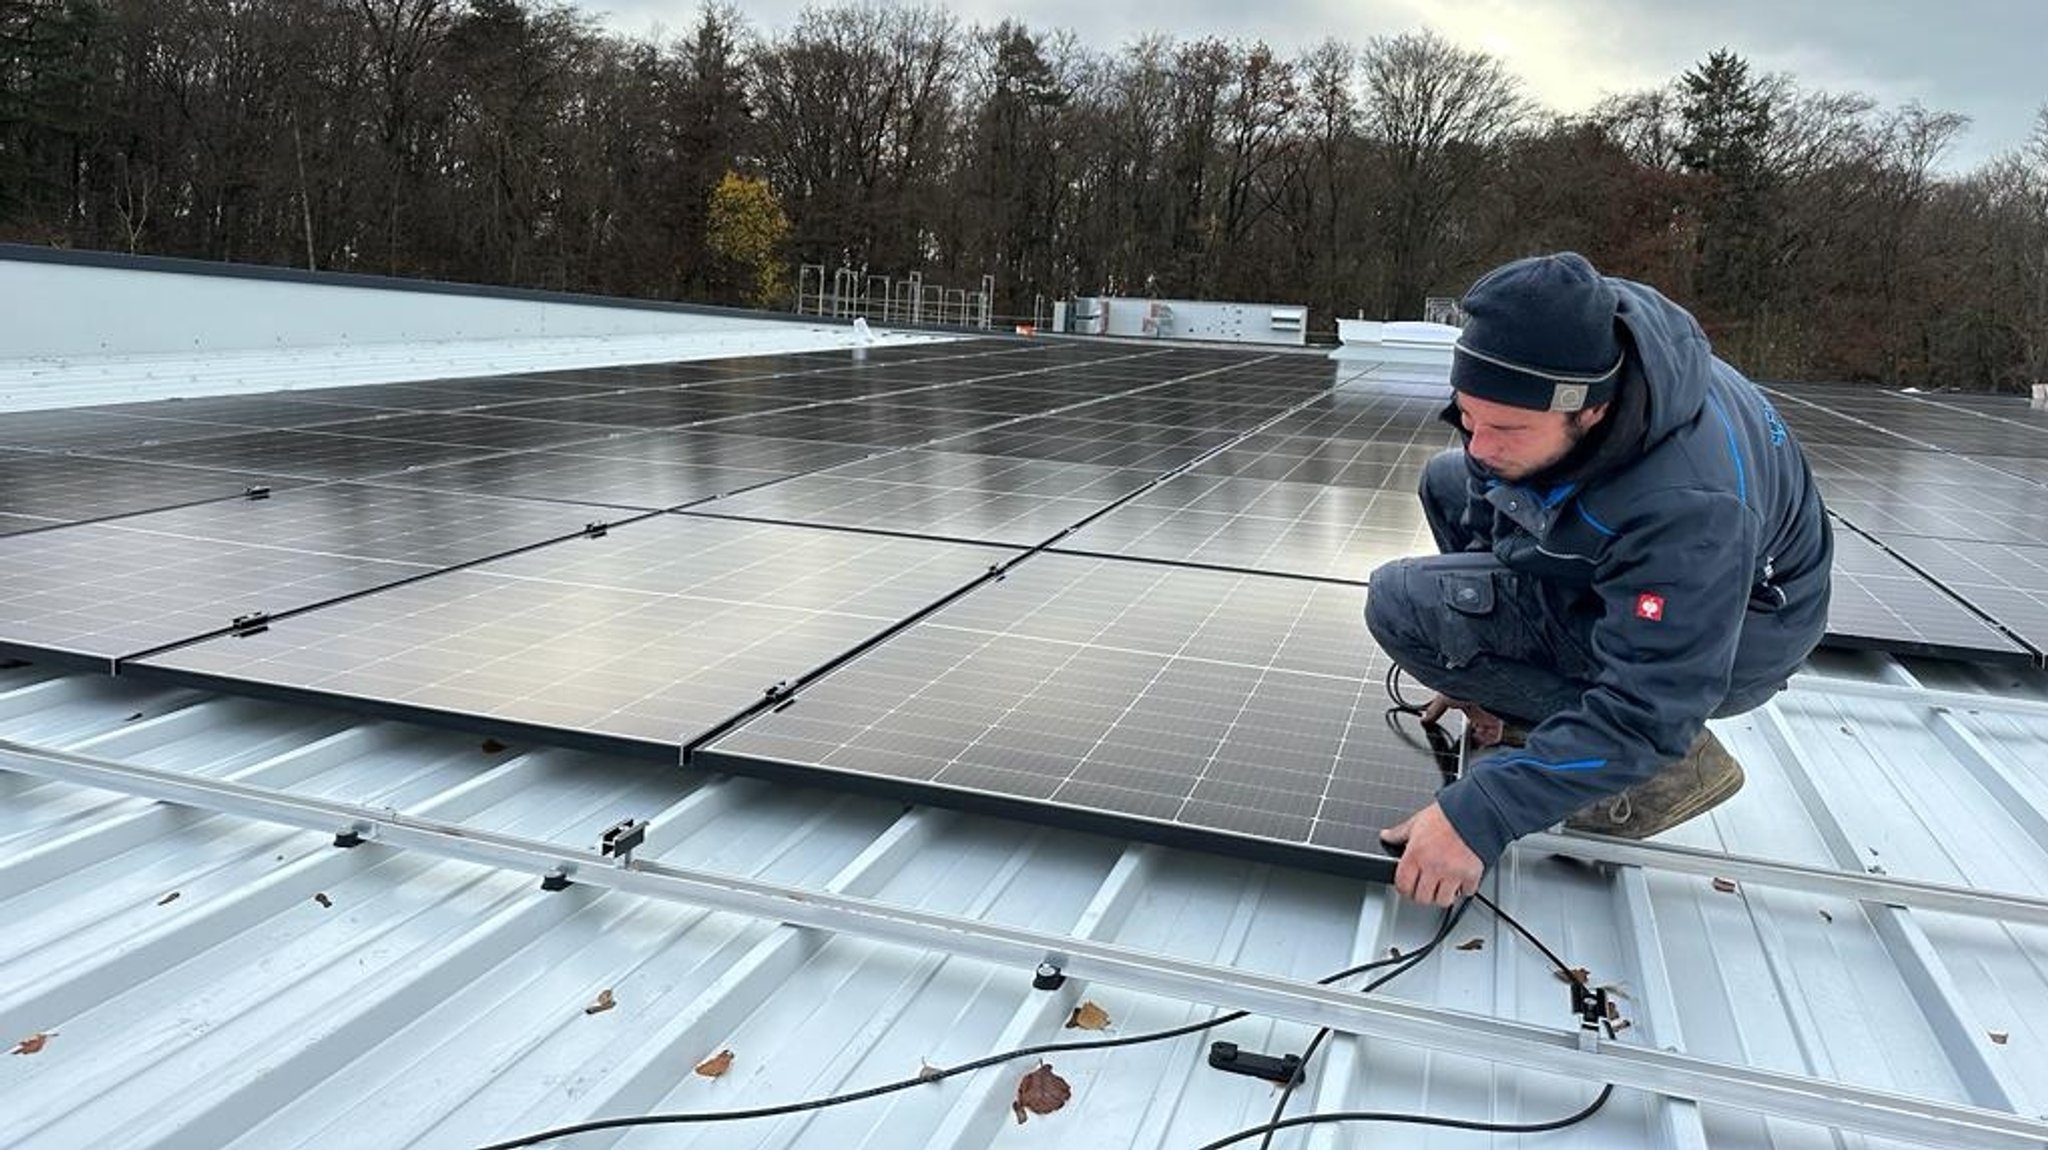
(1515, 442)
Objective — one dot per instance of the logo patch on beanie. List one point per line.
(1650, 607)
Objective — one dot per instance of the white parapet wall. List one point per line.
(86, 328)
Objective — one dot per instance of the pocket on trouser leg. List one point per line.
(1469, 598)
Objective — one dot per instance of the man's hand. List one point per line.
(1483, 725)
(1436, 865)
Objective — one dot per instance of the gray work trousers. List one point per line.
(1464, 624)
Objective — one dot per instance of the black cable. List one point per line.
(1525, 932)
(1407, 963)
(932, 1074)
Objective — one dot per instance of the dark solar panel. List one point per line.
(648, 485)
(10, 524)
(306, 454)
(646, 637)
(1881, 603)
(2005, 582)
(984, 498)
(486, 432)
(433, 529)
(1259, 525)
(92, 429)
(104, 591)
(73, 488)
(1154, 700)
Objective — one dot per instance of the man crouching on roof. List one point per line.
(1631, 542)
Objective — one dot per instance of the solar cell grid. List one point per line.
(2007, 583)
(645, 484)
(304, 454)
(1880, 602)
(73, 488)
(647, 636)
(1150, 697)
(433, 529)
(712, 449)
(485, 432)
(91, 429)
(1260, 525)
(102, 591)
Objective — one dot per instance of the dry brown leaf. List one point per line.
(1040, 1092)
(1578, 974)
(604, 1002)
(1725, 885)
(33, 1043)
(168, 899)
(716, 1065)
(1998, 1038)
(1088, 1016)
(323, 900)
(1472, 944)
(926, 1072)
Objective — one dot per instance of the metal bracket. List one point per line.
(623, 839)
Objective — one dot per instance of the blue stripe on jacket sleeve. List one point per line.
(1602, 528)
(1734, 448)
(1533, 761)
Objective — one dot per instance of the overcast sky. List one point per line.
(1978, 57)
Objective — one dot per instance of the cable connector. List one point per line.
(1591, 1004)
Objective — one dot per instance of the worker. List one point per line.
(1631, 543)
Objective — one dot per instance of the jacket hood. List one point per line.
(1674, 353)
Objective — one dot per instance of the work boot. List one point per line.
(1693, 785)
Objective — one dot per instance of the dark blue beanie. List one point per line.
(1539, 333)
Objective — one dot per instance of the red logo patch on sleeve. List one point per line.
(1650, 607)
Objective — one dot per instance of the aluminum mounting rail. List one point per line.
(1569, 1052)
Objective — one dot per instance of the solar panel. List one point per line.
(434, 529)
(2007, 583)
(985, 498)
(1073, 440)
(74, 488)
(1261, 525)
(647, 485)
(10, 524)
(270, 409)
(1160, 702)
(713, 449)
(486, 432)
(638, 640)
(305, 454)
(102, 591)
(91, 429)
(1879, 602)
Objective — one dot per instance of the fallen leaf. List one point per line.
(33, 1042)
(168, 899)
(926, 1072)
(1577, 974)
(604, 1002)
(1393, 952)
(493, 747)
(1725, 885)
(132, 717)
(716, 1065)
(1472, 944)
(323, 900)
(1998, 1038)
(1040, 1092)
(1088, 1016)
(1826, 917)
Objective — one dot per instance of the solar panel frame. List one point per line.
(1880, 603)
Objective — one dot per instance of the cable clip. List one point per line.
(1591, 1004)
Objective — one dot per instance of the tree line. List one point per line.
(1817, 234)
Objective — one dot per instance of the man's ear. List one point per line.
(1589, 417)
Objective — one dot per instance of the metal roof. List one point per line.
(219, 979)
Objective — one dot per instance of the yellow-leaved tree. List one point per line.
(745, 232)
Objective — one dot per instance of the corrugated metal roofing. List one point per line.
(214, 980)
